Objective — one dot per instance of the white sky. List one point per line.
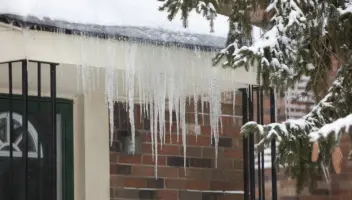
(112, 12)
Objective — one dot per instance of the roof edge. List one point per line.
(21, 22)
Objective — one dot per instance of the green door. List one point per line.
(49, 173)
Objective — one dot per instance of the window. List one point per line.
(122, 137)
(48, 174)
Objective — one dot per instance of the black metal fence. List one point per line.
(28, 161)
(252, 177)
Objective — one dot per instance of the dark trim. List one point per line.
(259, 119)
(33, 61)
(25, 124)
(18, 22)
(11, 123)
(34, 98)
(53, 121)
(262, 153)
(68, 153)
(11, 61)
(251, 145)
(245, 145)
(39, 94)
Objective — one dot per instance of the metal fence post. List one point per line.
(251, 145)
(53, 122)
(25, 124)
(245, 144)
(273, 147)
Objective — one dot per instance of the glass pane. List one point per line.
(3, 128)
(42, 163)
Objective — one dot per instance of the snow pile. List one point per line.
(134, 13)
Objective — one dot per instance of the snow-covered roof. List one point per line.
(136, 19)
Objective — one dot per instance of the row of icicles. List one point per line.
(156, 101)
(155, 111)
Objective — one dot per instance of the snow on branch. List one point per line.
(342, 124)
(278, 51)
(205, 7)
(330, 115)
(347, 8)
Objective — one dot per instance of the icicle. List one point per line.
(221, 125)
(215, 111)
(196, 130)
(202, 107)
(109, 77)
(170, 115)
(195, 103)
(177, 108)
(139, 79)
(171, 102)
(130, 73)
(151, 111)
(234, 105)
(148, 108)
(131, 116)
(163, 99)
(183, 127)
(156, 139)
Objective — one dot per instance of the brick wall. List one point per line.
(133, 177)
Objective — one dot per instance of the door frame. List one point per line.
(65, 108)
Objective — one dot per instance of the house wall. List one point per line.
(91, 144)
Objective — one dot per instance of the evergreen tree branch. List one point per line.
(208, 8)
(330, 118)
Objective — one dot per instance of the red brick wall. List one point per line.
(132, 176)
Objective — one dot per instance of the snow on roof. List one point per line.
(134, 18)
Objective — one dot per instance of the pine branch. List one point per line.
(325, 123)
(208, 8)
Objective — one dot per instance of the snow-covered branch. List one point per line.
(330, 118)
(347, 8)
(342, 124)
(279, 51)
(331, 110)
(206, 7)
